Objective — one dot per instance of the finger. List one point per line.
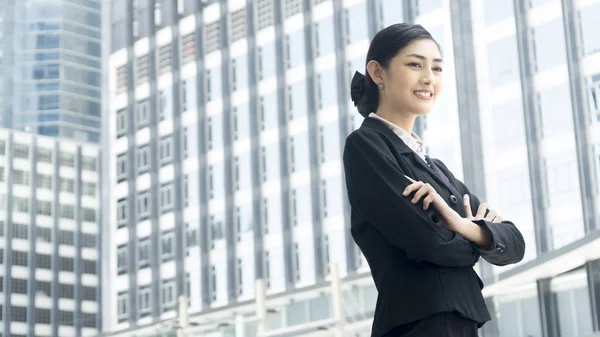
(467, 202)
(498, 219)
(425, 189)
(481, 211)
(429, 199)
(412, 187)
(491, 215)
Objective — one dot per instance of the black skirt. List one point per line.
(446, 324)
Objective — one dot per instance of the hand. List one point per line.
(452, 220)
(492, 216)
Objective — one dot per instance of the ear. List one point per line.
(376, 72)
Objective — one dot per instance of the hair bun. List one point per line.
(357, 88)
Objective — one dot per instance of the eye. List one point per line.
(438, 69)
(414, 64)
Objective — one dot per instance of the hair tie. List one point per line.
(357, 88)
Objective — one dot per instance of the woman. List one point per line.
(421, 243)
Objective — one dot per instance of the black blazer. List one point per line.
(419, 266)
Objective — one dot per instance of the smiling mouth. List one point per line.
(424, 94)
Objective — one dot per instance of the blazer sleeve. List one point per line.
(508, 245)
(375, 183)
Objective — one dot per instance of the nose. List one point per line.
(425, 80)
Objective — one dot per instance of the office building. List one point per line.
(50, 81)
(226, 126)
(49, 236)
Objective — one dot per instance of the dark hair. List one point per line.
(385, 45)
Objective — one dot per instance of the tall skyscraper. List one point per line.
(49, 236)
(50, 67)
(227, 121)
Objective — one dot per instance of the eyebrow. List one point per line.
(424, 58)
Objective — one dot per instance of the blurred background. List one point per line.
(173, 167)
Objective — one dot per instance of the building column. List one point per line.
(593, 277)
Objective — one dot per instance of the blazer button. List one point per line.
(453, 199)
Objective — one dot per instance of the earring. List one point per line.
(380, 86)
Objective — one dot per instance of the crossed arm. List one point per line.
(376, 184)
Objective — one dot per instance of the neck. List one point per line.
(404, 120)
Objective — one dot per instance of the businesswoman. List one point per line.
(419, 227)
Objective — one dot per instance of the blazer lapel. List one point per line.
(409, 154)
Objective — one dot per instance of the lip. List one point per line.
(426, 98)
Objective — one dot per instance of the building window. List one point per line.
(67, 159)
(216, 229)
(266, 216)
(188, 44)
(19, 258)
(164, 56)
(44, 208)
(240, 278)
(167, 242)
(191, 237)
(66, 237)
(292, 7)
(2, 147)
(143, 203)
(67, 211)
(211, 183)
(213, 36)
(142, 74)
(122, 212)
(121, 122)
(42, 316)
(89, 293)
(89, 189)
(166, 197)
(184, 140)
(166, 150)
(89, 214)
(186, 194)
(162, 105)
(21, 177)
(20, 204)
(42, 261)
(44, 155)
(238, 25)
(89, 163)
(21, 151)
(122, 167)
(142, 115)
(18, 314)
(144, 253)
(168, 295)
(44, 181)
(209, 133)
(297, 261)
(121, 79)
(67, 185)
(122, 305)
(89, 240)
(184, 96)
(144, 302)
(213, 282)
(122, 259)
(20, 231)
(265, 13)
(143, 158)
(267, 263)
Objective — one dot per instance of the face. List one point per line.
(413, 79)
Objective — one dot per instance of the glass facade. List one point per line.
(258, 131)
(51, 68)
